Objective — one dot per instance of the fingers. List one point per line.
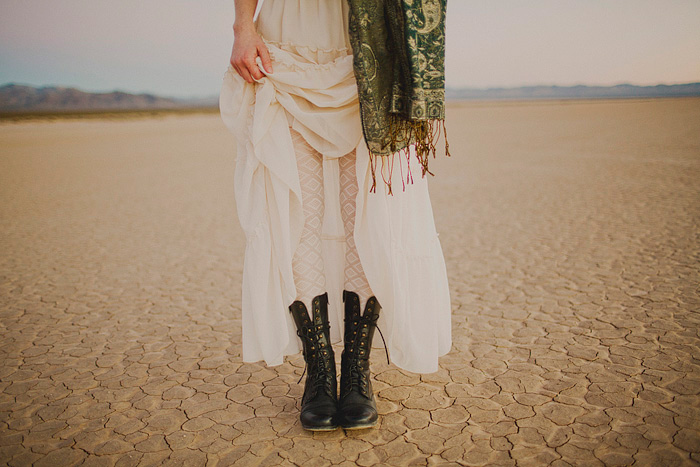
(237, 63)
(265, 57)
(244, 60)
(248, 68)
(243, 71)
(253, 69)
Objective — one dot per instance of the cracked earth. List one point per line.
(572, 239)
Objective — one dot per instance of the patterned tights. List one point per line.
(307, 263)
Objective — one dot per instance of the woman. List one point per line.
(321, 238)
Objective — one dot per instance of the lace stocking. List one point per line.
(355, 280)
(307, 264)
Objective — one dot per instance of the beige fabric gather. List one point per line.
(313, 90)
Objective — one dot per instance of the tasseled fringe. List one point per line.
(421, 134)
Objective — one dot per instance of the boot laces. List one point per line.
(316, 360)
(357, 377)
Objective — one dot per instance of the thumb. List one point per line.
(265, 57)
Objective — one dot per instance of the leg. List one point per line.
(319, 402)
(357, 406)
(307, 264)
(355, 279)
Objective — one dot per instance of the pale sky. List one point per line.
(181, 47)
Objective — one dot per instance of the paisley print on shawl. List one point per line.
(432, 14)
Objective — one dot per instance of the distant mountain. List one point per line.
(576, 92)
(18, 98)
(202, 102)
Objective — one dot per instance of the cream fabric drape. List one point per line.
(313, 90)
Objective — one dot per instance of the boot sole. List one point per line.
(360, 427)
(325, 428)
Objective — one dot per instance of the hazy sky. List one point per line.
(181, 47)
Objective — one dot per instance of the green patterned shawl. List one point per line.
(399, 64)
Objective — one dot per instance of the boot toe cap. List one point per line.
(319, 416)
(359, 416)
(318, 421)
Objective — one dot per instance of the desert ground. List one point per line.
(571, 232)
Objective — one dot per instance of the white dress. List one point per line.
(312, 89)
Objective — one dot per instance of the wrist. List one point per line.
(243, 27)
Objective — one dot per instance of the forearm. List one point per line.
(245, 10)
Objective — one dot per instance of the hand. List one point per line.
(247, 46)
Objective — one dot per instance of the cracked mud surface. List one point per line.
(572, 239)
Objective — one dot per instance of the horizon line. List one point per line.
(447, 88)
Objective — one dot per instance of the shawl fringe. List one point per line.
(399, 65)
(425, 135)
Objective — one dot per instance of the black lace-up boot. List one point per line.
(356, 406)
(319, 403)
